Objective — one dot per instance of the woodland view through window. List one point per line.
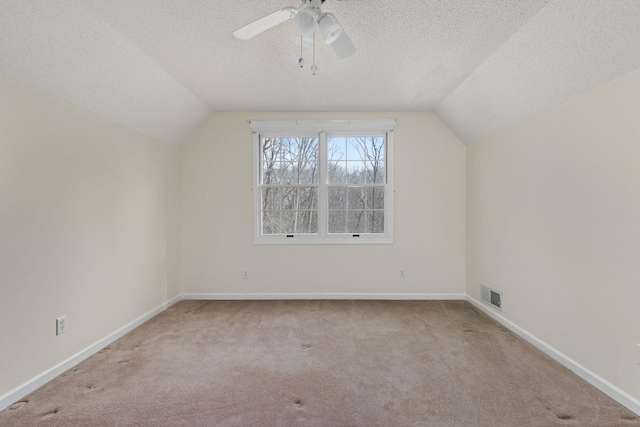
(325, 186)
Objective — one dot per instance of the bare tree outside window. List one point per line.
(289, 179)
(323, 181)
(357, 178)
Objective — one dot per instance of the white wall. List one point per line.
(216, 217)
(553, 220)
(88, 229)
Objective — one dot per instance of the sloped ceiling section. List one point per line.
(568, 48)
(66, 48)
(162, 66)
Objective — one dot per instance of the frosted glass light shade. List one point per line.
(329, 28)
(305, 21)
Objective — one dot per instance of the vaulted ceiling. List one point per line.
(162, 66)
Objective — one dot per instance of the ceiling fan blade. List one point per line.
(266, 22)
(343, 46)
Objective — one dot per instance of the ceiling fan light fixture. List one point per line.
(305, 21)
(329, 28)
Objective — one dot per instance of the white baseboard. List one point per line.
(595, 380)
(33, 384)
(329, 296)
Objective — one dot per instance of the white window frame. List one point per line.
(323, 129)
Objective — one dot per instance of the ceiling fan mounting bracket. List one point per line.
(314, 4)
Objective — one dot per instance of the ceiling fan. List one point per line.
(308, 20)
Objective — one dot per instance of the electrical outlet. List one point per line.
(245, 273)
(403, 273)
(61, 325)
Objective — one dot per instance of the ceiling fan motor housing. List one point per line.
(305, 21)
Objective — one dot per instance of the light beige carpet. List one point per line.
(319, 363)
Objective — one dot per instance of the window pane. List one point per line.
(356, 149)
(336, 148)
(337, 197)
(288, 199)
(375, 221)
(290, 160)
(355, 222)
(290, 210)
(302, 151)
(271, 198)
(271, 150)
(356, 173)
(270, 221)
(278, 173)
(375, 147)
(308, 149)
(307, 198)
(375, 172)
(337, 221)
(288, 174)
(375, 197)
(356, 197)
(289, 149)
(267, 173)
(308, 173)
(337, 173)
(287, 222)
(306, 222)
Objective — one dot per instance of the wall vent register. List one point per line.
(491, 296)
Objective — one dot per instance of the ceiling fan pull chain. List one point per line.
(301, 59)
(314, 67)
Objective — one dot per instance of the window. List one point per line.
(323, 181)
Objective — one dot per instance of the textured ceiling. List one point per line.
(162, 66)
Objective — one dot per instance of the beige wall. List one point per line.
(216, 217)
(88, 229)
(90, 213)
(553, 220)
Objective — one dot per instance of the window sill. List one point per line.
(328, 241)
